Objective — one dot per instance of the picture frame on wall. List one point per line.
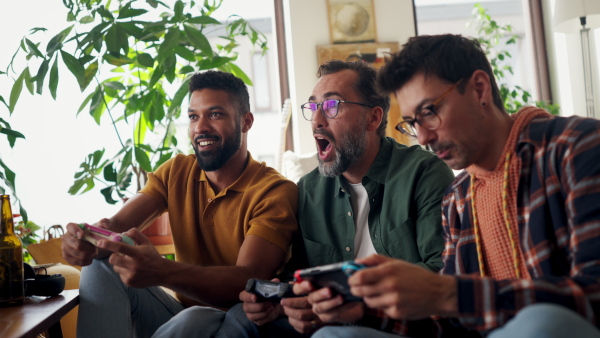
(373, 52)
(351, 21)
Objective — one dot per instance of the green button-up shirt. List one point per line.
(405, 187)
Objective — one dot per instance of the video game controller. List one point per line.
(266, 290)
(93, 234)
(334, 276)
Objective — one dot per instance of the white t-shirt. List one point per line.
(363, 245)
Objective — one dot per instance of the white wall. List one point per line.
(566, 66)
(307, 26)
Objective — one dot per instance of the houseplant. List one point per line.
(7, 176)
(494, 38)
(132, 59)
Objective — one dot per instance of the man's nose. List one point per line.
(318, 119)
(202, 125)
(424, 136)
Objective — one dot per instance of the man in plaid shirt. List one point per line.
(521, 222)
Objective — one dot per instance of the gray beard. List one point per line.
(351, 147)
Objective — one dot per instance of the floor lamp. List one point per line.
(571, 16)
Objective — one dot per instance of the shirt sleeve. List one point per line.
(435, 178)
(274, 216)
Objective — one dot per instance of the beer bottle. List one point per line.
(11, 258)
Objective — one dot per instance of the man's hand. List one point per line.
(403, 290)
(331, 309)
(299, 312)
(138, 266)
(75, 250)
(260, 312)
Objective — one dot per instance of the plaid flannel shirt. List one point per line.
(559, 225)
(558, 206)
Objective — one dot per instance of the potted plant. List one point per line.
(127, 56)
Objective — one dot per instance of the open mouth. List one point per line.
(205, 142)
(324, 146)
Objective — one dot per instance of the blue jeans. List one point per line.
(548, 321)
(237, 325)
(543, 320)
(108, 308)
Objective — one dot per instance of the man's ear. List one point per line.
(247, 121)
(483, 87)
(374, 118)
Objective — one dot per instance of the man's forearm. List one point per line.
(213, 285)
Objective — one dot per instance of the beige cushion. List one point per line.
(295, 165)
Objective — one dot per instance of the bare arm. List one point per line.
(137, 212)
(142, 266)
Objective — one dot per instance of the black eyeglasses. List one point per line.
(329, 108)
(427, 117)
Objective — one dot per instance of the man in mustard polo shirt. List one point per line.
(232, 219)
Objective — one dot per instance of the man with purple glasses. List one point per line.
(368, 195)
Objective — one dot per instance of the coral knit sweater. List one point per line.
(496, 244)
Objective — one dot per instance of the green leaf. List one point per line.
(15, 92)
(178, 10)
(9, 176)
(110, 174)
(171, 41)
(107, 193)
(53, 85)
(204, 20)
(97, 102)
(105, 13)
(89, 74)
(117, 61)
(74, 66)
(152, 3)
(33, 48)
(237, 71)
(187, 69)
(27, 80)
(113, 40)
(142, 158)
(145, 60)
(56, 42)
(128, 12)
(41, 75)
(179, 96)
(198, 40)
(85, 102)
(115, 85)
(185, 53)
(87, 19)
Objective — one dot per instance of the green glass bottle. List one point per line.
(11, 258)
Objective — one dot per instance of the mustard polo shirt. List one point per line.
(209, 229)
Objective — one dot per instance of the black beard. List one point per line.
(350, 148)
(215, 159)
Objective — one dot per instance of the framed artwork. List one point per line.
(373, 53)
(351, 21)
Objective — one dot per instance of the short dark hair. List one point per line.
(218, 80)
(365, 86)
(449, 57)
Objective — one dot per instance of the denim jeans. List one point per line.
(108, 308)
(546, 320)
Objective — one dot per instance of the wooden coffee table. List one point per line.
(37, 315)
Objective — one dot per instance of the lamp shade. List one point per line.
(568, 12)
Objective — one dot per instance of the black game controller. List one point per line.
(266, 290)
(42, 285)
